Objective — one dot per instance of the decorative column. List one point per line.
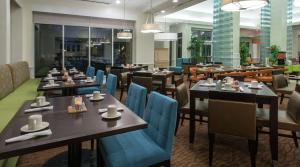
(289, 15)
(4, 31)
(226, 36)
(265, 30)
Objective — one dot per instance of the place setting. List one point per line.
(34, 128)
(208, 83)
(39, 105)
(54, 71)
(73, 70)
(254, 85)
(111, 112)
(50, 77)
(96, 96)
(88, 80)
(51, 83)
(229, 84)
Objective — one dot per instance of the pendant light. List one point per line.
(242, 5)
(165, 36)
(125, 33)
(150, 26)
(297, 3)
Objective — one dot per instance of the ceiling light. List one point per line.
(150, 26)
(174, 1)
(241, 5)
(124, 34)
(297, 3)
(163, 11)
(118, 1)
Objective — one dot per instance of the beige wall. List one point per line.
(5, 31)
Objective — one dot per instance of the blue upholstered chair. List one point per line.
(90, 72)
(89, 90)
(147, 147)
(136, 99)
(111, 84)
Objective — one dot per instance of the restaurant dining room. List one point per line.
(149, 83)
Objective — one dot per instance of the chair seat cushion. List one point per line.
(87, 90)
(201, 108)
(287, 90)
(131, 149)
(285, 122)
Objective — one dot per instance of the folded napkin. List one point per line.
(91, 95)
(241, 89)
(49, 86)
(47, 78)
(207, 84)
(29, 136)
(103, 110)
(39, 109)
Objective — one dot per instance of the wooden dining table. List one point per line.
(159, 76)
(68, 89)
(68, 129)
(264, 96)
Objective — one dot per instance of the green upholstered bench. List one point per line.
(15, 88)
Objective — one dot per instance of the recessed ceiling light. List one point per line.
(174, 1)
(163, 11)
(118, 1)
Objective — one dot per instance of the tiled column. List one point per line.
(265, 29)
(226, 36)
(5, 31)
(289, 15)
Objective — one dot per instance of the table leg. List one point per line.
(274, 129)
(163, 85)
(192, 118)
(74, 155)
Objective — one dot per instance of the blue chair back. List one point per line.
(90, 72)
(136, 99)
(161, 112)
(99, 78)
(111, 84)
(178, 62)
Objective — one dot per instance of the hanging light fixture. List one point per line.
(297, 3)
(241, 5)
(150, 26)
(125, 33)
(165, 36)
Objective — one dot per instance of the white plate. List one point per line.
(255, 87)
(228, 89)
(100, 98)
(43, 105)
(26, 130)
(104, 115)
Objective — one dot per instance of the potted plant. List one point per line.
(274, 53)
(244, 53)
(195, 49)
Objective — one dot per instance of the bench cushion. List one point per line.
(20, 73)
(132, 149)
(6, 83)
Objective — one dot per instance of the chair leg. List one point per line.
(168, 163)
(295, 138)
(177, 122)
(281, 99)
(100, 161)
(122, 90)
(201, 119)
(211, 147)
(257, 138)
(173, 95)
(252, 148)
(182, 119)
(92, 145)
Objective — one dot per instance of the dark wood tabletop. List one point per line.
(68, 128)
(61, 78)
(264, 96)
(63, 85)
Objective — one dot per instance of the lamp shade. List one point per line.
(166, 36)
(124, 35)
(151, 28)
(241, 5)
(297, 3)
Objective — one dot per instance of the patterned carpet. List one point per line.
(229, 151)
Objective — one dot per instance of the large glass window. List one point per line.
(101, 47)
(206, 37)
(48, 48)
(122, 50)
(76, 47)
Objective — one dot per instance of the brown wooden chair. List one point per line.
(194, 77)
(182, 98)
(232, 114)
(123, 83)
(297, 89)
(264, 76)
(143, 81)
(250, 76)
(235, 75)
(281, 86)
(287, 119)
(172, 87)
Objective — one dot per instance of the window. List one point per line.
(122, 49)
(48, 48)
(206, 36)
(76, 47)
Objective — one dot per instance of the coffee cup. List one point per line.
(254, 83)
(228, 86)
(210, 80)
(96, 94)
(81, 73)
(229, 80)
(49, 75)
(51, 82)
(88, 78)
(35, 121)
(40, 100)
(54, 69)
(111, 110)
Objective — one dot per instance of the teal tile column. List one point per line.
(265, 30)
(289, 15)
(226, 36)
